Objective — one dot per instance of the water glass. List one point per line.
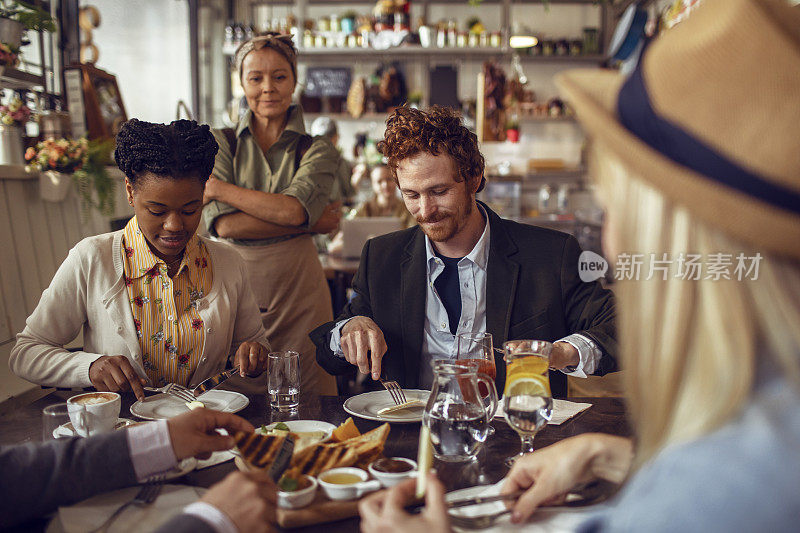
(283, 381)
(479, 348)
(527, 400)
(53, 417)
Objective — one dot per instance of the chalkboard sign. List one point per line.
(327, 81)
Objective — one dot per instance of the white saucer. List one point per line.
(67, 430)
(162, 406)
(368, 404)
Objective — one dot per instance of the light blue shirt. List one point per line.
(437, 340)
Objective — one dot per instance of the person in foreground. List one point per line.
(270, 190)
(156, 302)
(38, 478)
(712, 366)
(462, 269)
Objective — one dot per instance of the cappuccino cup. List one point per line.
(94, 412)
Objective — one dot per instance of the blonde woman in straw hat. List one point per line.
(695, 153)
(268, 193)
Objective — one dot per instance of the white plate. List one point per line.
(304, 426)
(368, 404)
(67, 430)
(165, 406)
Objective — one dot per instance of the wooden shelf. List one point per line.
(454, 54)
(16, 172)
(13, 78)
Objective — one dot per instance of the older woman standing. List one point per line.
(156, 303)
(269, 191)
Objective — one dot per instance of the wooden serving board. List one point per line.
(319, 511)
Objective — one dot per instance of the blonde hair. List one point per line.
(689, 348)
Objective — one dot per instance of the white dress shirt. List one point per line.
(438, 342)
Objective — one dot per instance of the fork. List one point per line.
(146, 495)
(395, 390)
(175, 390)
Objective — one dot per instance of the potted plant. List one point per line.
(17, 16)
(13, 117)
(512, 129)
(9, 56)
(61, 161)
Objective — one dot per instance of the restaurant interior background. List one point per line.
(164, 59)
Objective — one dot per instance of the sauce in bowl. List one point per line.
(392, 466)
(341, 478)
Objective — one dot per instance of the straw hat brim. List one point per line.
(593, 95)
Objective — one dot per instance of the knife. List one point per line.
(214, 381)
(282, 459)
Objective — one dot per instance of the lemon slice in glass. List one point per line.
(528, 385)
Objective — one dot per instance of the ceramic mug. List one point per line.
(94, 412)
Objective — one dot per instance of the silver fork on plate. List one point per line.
(175, 390)
(146, 495)
(395, 390)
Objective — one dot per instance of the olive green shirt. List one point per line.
(274, 171)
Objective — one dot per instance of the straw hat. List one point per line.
(711, 117)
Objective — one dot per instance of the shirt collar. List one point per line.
(295, 123)
(479, 255)
(140, 260)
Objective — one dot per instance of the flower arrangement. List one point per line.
(9, 55)
(61, 155)
(15, 113)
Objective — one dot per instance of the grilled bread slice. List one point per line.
(258, 450)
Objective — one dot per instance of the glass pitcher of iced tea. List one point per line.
(456, 414)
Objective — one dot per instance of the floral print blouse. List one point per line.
(169, 328)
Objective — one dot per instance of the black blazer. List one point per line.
(532, 292)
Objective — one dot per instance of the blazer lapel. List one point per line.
(501, 287)
(413, 290)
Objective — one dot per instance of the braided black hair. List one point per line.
(182, 149)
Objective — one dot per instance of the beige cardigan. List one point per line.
(88, 292)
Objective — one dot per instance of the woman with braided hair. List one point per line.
(269, 192)
(156, 302)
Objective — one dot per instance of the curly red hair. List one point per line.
(437, 131)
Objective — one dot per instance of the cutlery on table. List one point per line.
(173, 389)
(146, 495)
(213, 382)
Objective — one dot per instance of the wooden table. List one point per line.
(606, 415)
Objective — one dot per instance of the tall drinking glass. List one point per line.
(478, 347)
(53, 417)
(283, 381)
(527, 400)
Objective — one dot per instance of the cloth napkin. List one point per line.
(89, 514)
(544, 520)
(563, 410)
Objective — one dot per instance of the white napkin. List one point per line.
(545, 520)
(89, 514)
(563, 410)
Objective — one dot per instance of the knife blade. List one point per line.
(213, 382)
(282, 459)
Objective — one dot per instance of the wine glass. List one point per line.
(527, 400)
(478, 347)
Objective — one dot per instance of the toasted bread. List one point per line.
(258, 450)
(357, 451)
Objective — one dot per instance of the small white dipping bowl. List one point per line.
(390, 479)
(350, 491)
(298, 498)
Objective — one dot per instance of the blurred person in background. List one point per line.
(269, 192)
(342, 189)
(712, 362)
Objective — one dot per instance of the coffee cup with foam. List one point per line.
(94, 412)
